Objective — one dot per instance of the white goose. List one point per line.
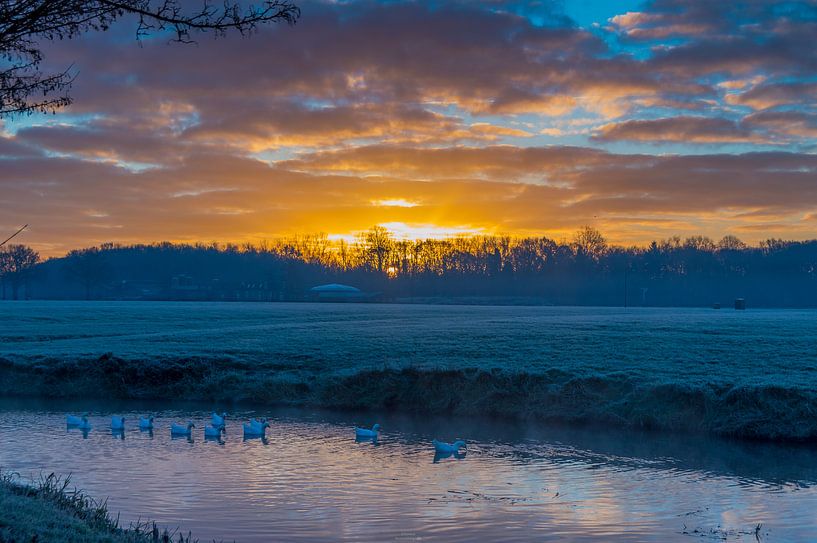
(78, 422)
(213, 431)
(219, 420)
(181, 430)
(255, 428)
(146, 423)
(366, 433)
(448, 448)
(73, 420)
(117, 423)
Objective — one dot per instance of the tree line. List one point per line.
(585, 270)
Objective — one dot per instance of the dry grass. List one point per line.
(48, 510)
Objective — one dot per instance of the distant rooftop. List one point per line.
(334, 287)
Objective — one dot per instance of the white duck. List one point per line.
(146, 423)
(213, 431)
(78, 422)
(255, 428)
(448, 448)
(117, 423)
(219, 420)
(366, 433)
(181, 430)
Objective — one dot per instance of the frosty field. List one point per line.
(749, 373)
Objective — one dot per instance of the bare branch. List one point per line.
(14, 235)
(25, 23)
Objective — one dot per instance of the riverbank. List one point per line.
(747, 374)
(760, 412)
(48, 511)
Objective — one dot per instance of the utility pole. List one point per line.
(13, 235)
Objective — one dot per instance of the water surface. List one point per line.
(310, 480)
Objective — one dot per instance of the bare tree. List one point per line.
(699, 243)
(590, 242)
(731, 243)
(5, 270)
(24, 24)
(17, 263)
(378, 245)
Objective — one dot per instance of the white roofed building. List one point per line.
(335, 292)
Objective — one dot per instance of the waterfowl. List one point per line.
(79, 422)
(117, 423)
(213, 431)
(219, 420)
(448, 448)
(255, 428)
(146, 423)
(366, 433)
(181, 430)
(257, 424)
(73, 420)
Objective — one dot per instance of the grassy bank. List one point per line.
(48, 511)
(756, 412)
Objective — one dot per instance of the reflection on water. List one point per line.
(443, 455)
(311, 480)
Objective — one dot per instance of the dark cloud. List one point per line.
(777, 94)
(678, 129)
(796, 125)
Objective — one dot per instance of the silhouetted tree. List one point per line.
(89, 267)
(667, 272)
(590, 242)
(17, 264)
(378, 245)
(5, 269)
(24, 24)
(730, 243)
(699, 243)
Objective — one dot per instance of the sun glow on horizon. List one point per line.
(408, 232)
(395, 202)
(413, 232)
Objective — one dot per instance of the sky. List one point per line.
(523, 117)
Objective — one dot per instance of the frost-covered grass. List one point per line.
(746, 373)
(49, 511)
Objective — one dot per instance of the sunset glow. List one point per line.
(427, 231)
(395, 202)
(646, 120)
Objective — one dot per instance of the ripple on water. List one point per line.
(310, 481)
